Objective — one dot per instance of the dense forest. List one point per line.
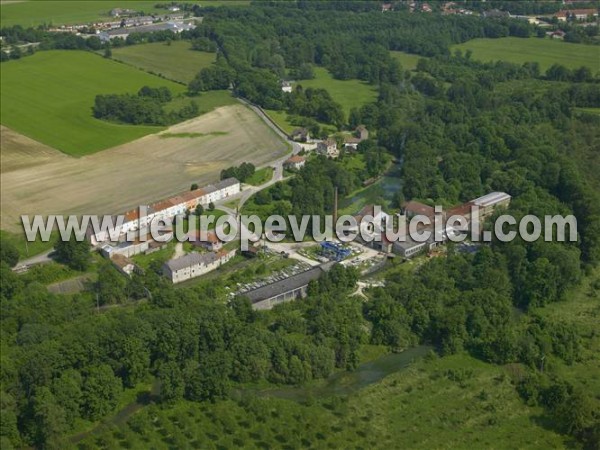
(461, 129)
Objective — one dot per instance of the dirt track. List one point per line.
(37, 179)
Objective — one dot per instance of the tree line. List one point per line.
(146, 107)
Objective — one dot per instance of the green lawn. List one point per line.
(544, 51)
(348, 93)
(281, 119)
(33, 13)
(28, 249)
(49, 96)
(408, 61)
(261, 176)
(177, 62)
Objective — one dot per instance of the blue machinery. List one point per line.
(334, 251)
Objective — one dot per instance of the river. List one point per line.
(344, 383)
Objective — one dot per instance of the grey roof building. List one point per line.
(191, 259)
(265, 297)
(227, 182)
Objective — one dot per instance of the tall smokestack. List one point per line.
(335, 209)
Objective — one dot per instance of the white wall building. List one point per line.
(194, 265)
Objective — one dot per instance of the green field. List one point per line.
(28, 249)
(348, 93)
(177, 62)
(544, 51)
(261, 176)
(408, 61)
(49, 96)
(34, 13)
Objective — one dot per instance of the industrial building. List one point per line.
(294, 287)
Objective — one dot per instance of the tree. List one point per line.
(8, 253)
(108, 52)
(100, 391)
(110, 285)
(199, 210)
(211, 206)
(75, 252)
(172, 385)
(49, 418)
(15, 52)
(194, 187)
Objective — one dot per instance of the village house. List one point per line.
(207, 240)
(561, 16)
(328, 148)
(300, 135)
(286, 86)
(125, 265)
(385, 7)
(360, 134)
(295, 162)
(584, 14)
(194, 265)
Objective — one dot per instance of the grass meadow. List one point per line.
(544, 51)
(408, 61)
(49, 97)
(177, 61)
(34, 13)
(261, 176)
(348, 93)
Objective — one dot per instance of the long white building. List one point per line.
(193, 265)
(171, 207)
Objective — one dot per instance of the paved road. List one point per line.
(42, 258)
(296, 148)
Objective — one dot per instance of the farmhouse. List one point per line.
(294, 287)
(286, 86)
(294, 163)
(584, 14)
(300, 135)
(194, 265)
(360, 134)
(328, 147)
(208, 240)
